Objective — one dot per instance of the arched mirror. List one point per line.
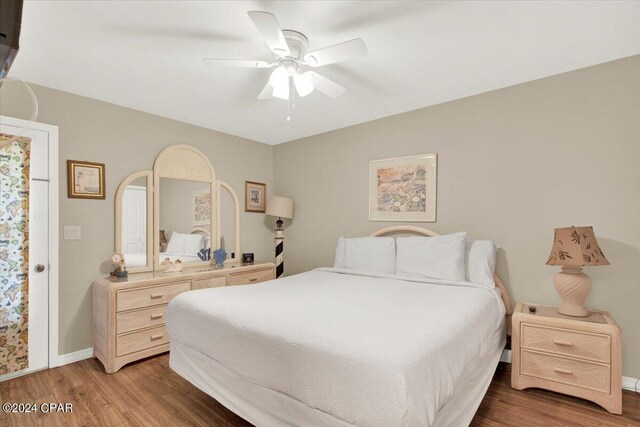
(177, 211)
(185, 205)
(134, 221)
(229, 221)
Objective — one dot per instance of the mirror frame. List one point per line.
(183, 162)
(118, 211)
(236, 203)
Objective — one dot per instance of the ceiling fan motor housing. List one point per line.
(298, 43)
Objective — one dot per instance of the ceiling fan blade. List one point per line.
(267, 24)
(325, 85)
(240, 63)
(340, 52)
(266, 92)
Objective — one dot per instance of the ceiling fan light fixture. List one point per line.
(279, 80)
(303, 83)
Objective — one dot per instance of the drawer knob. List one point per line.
(255, 279)
(156, 316)
(563, 371)
(156, 296)
(156, 337)
(561, 342)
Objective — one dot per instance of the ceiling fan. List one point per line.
(291, 57)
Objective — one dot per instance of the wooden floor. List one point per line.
(148, 393)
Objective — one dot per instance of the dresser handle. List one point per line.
(156, 316)
(156, 296)
(563, 371)
(255, 279)
(156, 337)
(560, 342)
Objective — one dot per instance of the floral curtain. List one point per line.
(14, 253)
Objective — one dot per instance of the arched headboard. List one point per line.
(398, 229)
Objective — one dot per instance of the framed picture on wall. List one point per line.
(201, 207)
(85, 180)
(403, 188)
(255, 195)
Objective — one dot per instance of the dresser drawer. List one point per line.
(140, 319)
(251, 277)
(142, 340)
(587, 375)
(584, 345)
(145, 297)
(212, 282)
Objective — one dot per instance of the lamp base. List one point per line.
(573, 286)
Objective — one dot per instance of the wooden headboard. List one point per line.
(504, 293)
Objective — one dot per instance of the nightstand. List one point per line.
(578, 356)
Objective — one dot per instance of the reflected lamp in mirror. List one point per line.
(280, 207)
(574, 248)
(163, 240)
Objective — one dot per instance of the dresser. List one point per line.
(129, 313)
(578, 356)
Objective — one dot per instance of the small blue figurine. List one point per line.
(220, 255)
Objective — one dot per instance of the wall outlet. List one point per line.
(72, 232)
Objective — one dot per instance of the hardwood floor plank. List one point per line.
(149, 393)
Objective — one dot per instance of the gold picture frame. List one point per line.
(403, 188)
(255, 197)
(85, 180)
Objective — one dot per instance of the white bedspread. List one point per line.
(368, 349)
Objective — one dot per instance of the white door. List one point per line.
(38, 303)
(134, 220)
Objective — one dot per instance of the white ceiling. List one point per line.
(147, 55)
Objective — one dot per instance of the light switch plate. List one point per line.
(72, 232)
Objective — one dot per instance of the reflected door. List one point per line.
(134, 220)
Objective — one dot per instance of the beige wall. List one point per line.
(513, 164)
(127, 141)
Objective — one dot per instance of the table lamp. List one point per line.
(573, 248)
(280, 207)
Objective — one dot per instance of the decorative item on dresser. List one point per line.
(573, 248)
(128, 313)
(280, 207)
(581, 357)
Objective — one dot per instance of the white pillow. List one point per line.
(192, 244)
(376, 254)
(481, 262)
(441, 257)
(176, 244)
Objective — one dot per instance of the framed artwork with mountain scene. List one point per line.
(85, 180)
(403, 188)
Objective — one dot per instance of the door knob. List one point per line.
(39, 268)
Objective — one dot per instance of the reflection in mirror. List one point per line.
(134, 223)
(185, 217)
(228, 224)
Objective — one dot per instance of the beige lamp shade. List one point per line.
(280, 207)
(576, 247)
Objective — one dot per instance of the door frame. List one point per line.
(54, 231)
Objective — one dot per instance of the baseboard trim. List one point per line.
(76, 356)
(628, 383)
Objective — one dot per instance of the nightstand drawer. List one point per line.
(586, 375)
(584, 345)
(251, 277)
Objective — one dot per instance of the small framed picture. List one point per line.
(85, 180)
(201, 207)
(255, 197)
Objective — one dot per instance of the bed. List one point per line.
(140, 259)
(339, 347)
